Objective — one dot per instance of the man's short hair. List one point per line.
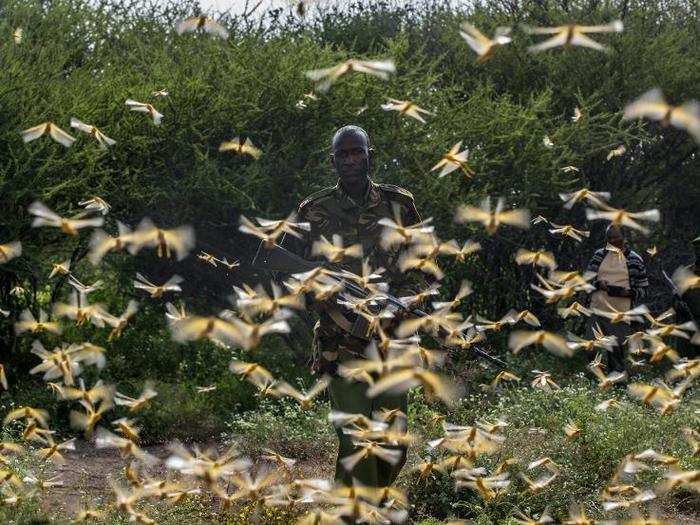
(347, 130)
(613, 227)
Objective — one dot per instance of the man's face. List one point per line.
(615, 238)
(350, 159)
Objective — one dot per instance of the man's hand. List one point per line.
(320, 306)
(602, 285)
(618, 291)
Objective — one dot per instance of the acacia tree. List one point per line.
(85, 59)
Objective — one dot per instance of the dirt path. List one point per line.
(87, 469)
(85, 477)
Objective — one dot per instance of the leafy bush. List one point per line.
(536, 420)
(287, 429)
(501, 110)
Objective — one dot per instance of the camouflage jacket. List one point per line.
(332, 211)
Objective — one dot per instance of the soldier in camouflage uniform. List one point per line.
(351, 209)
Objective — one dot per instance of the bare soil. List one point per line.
(87, 469)
(86, 472)
(85, 476)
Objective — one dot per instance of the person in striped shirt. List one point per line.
(621, 283)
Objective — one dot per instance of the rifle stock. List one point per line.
(280, 259)
(680, 305)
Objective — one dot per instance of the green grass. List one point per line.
(536, 420)
(285, 428)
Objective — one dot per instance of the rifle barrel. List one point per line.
(362, 293)
(279, 258)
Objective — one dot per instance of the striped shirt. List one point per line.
(635, 267)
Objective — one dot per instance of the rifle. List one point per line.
(280, 259)
(681, 306)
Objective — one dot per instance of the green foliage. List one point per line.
(248, 85)
(260, 514)
(536, 420)
(24, 514)
(287, 429)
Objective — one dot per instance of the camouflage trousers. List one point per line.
(351, 397)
